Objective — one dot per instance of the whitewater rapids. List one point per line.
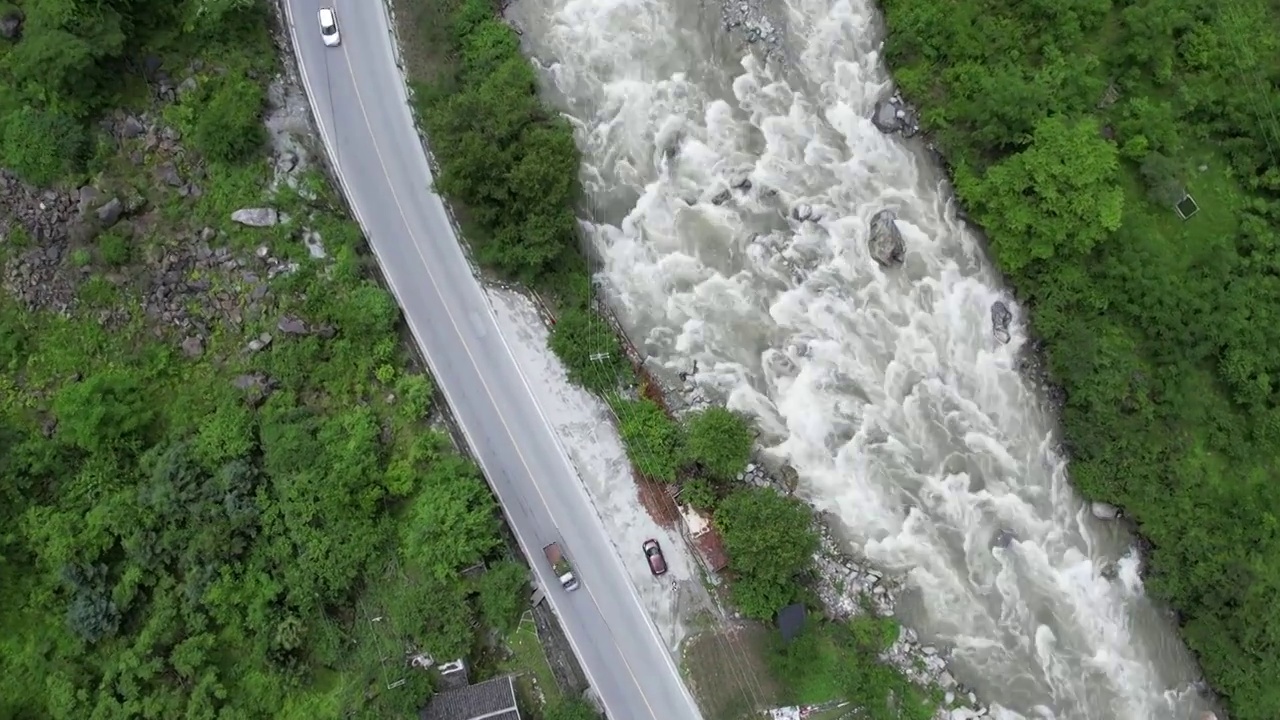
(884, 388)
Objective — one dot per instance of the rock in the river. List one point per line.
(256, 217)
(894, 115)
(804, 212)
(11, 23)
(1000, 319)
(1004, 538)
(1104, 511)
(886, 243)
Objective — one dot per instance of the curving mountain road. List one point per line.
(360, 105)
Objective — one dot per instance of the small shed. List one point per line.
(490, 700)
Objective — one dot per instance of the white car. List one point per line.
(329, 27)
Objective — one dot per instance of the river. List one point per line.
(883, 387)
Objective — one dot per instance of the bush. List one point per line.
(228, 119)
(114, 249)
(719, 441)
(654, 441)
(699, 494)
(589, 349)
(42, 147)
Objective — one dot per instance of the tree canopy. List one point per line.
(770, 539)
(210, 531)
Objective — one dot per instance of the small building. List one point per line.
(490, 700)
(706, 541)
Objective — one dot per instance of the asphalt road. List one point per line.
(359, 101)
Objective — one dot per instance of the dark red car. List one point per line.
(653, 553)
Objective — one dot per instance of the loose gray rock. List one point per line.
(1000, 319)
(167, 173)
(886, 243)
(256, 217)
(255, 386)
(131, 127)
(1104, 511)
(292, 326)
(193, 347)
(109, 214)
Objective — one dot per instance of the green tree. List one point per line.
(770, 540)
(455, 521)
(719, 441)
(503, 594)
(1059, 197)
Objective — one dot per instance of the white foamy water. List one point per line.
(884, 388)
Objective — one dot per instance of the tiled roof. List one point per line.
(490, 700)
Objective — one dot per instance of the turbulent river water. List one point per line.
(884, 388)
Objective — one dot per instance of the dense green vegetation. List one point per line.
(221, 532)
(831, 660)
(770, 539)
(1073, 128)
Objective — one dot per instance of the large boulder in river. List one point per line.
(894, 115)
(1000, 319)
(11, 23)
(256, 217)
(1104, 511)
(886, 243)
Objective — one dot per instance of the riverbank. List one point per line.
(1157, 316)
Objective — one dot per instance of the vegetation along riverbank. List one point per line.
(1122, 158)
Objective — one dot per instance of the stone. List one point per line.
(131, 127)
(721, 197)
(193, 347)
(804, 212)
(1104, 511)
(885, 117)
(885, 243)
(292, 326)
(167, 173)
(255, 386)
(109, 213)
(1001, 316)
(11, 19)
(256, 217)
